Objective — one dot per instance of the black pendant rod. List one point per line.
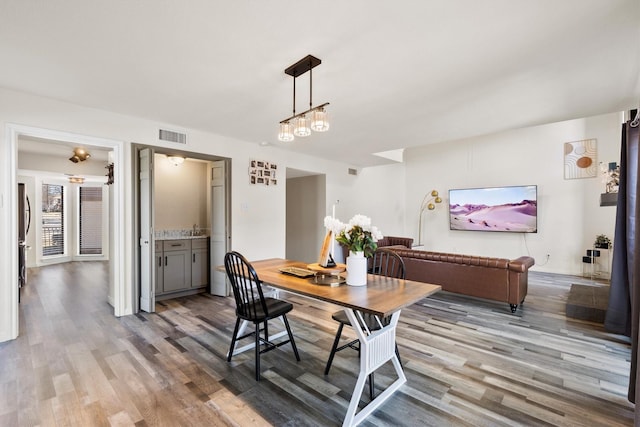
(294, 96)
(304, 112)
(310, 86)
(299, 68)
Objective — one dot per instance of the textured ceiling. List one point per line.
(397, 74)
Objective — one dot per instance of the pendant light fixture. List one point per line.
(76, 179)
(175, 160)
(315, 118)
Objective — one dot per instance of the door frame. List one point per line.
(135, 235)
(118, 250)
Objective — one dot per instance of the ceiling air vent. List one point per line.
(171, 136)
(353, 171)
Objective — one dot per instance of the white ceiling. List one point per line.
(27, 144)
(397, 74)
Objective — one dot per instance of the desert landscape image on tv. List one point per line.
(510, 209)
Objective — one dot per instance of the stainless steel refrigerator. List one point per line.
(24, 222)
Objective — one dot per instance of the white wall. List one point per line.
(180, 194)
(379, 193)
(43, 162)
(569, 215)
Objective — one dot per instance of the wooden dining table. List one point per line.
(382, 296)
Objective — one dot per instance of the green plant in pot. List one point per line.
(602, 242)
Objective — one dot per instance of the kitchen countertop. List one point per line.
(182, 237)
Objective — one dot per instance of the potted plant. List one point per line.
(602, 242)
(362, 240)
(360, 236)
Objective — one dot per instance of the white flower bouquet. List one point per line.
(358, 235)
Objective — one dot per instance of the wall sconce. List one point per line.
(427, 204)
(109, 175)
(176, 160)
(79, 155)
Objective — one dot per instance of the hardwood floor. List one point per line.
(468, 362)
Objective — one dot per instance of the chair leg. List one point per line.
(266, 331)
(293, 343)
(336, 341)
(398, 354)
(371, 385)
(233, 339)
(257, 352)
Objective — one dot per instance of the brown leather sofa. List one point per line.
(497, 279)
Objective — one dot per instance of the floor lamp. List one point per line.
(427, 204)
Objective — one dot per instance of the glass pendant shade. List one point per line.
(301, 127)
(319, 120)
(286, 132)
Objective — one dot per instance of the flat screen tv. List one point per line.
(511, 209)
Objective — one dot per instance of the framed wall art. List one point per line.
(262, 173)
(580, 159)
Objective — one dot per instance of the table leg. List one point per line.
(376, 348)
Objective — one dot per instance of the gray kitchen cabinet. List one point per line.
(199, 263)
(177, 265)
(159, 265)
(182, 267)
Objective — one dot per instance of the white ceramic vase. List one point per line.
(356, 269)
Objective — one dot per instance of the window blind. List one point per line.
(90, 220)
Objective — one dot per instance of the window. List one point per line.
(90, 220)
(52, 219)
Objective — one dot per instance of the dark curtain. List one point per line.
(623, 313)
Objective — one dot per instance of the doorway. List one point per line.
(305, 209)
(117, 214)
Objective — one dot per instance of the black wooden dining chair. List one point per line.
(253, 306)
(385, 262)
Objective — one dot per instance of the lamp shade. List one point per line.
(301, 126)
(76, 180)
(319, 120)
(286, 132)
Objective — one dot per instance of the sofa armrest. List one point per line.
(395, 241)
(521, 264)
(519, 279)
